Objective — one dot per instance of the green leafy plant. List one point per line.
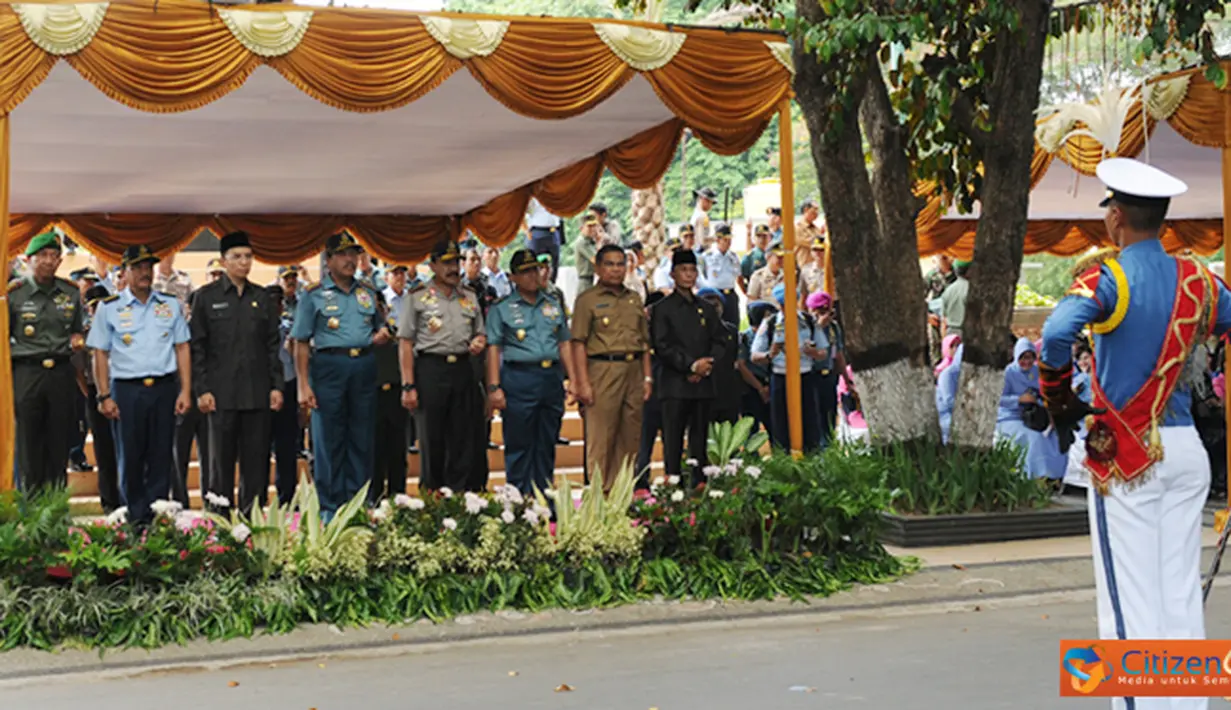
(727, 440)
(600, 527)
(930, 479)
(339, 547)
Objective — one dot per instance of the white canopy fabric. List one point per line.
(268, 148)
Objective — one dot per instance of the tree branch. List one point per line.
(962, 112)
(891, 169)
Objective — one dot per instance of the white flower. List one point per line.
(401, 500)
(216, 500)
(449, 523)
(711, 471)
(529, 516)
(690, 462)
(446, 492)
(509, 494)
(416, 504)
(677, 496)
(542, 511)
(379, 514)
(184, 522)
(474, 503)
(166, 507)
(507, 517)
(118, 517)
(674, 480)
(737, 462)
(716, 494)
(730, 469)
(240, 532)
(659, 480)
(753, 471)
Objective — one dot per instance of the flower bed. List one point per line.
(757, 529)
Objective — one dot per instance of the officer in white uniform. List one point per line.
(1149, 474)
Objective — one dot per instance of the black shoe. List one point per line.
(80, 466)
(492, 445)
(412, 449)
(561, 441)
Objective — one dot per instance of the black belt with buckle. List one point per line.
(551, 230)
(532, 364)
(386, 387)
(47, 362)
(349, 352)
(617, 357)
(451, 359)
(727, 291)
(144, 381)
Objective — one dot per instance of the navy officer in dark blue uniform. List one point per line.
(528, 331)
(340, 320)
(142, 364)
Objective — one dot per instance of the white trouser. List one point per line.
(1154, 531)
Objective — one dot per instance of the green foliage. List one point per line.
(730, 439)
(600, 528)
(929, 479)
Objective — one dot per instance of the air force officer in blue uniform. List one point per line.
(143, 368)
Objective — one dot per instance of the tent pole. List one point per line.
(8, 427)
(1226, 248)
(786, 167)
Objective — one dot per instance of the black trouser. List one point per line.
(76, 444)
(751, 405)
(693, 416)
(288, 441)
(44, 400)
(188, 426)
(105, 460)
(145, 431)
(780, 429)
(389, 476)
(651, 427)
(548, 241)
(240, 436)
(730, 306)
(827, 405)
(450, 423)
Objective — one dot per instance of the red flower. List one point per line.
(216, 549)
(60, 572)
(183, 555)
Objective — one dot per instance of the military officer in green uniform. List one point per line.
(528, 331)
(339, 317)
(47, 325)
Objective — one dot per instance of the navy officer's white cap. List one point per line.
(1133, 182)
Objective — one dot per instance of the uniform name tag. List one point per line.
(220, 306)
(602, 305)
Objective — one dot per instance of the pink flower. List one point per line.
(551, 528)
(60, 572)
(692, 519)
(216, 549)
(183, 555)
(85, 537)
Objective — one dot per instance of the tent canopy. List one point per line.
(1179, 128)
(294, 122)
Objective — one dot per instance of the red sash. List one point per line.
(1124, 444)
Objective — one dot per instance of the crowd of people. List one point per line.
(353, 370)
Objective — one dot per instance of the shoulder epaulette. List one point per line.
(419, 286)
(112, 297)
(312, 286)
(368, 284)
(168, 294)
(15, 284)
(1094, 260)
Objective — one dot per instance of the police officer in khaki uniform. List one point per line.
(440, 328)
(47, 326)
(612, 353)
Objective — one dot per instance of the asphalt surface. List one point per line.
(993, 658)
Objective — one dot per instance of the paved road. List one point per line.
(1003, 658)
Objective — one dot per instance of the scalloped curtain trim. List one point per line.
(61, 29)
(465, 38)
(641, 48)
(267, 34)
(782, 52)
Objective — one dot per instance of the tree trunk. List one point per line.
(647, 217)
(871, 219)
(1013, 94)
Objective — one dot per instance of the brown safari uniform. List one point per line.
(613, 328)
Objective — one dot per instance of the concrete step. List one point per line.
(85, 504)
(569, 456)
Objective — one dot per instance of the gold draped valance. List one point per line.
(184, 54)
(1191, 104)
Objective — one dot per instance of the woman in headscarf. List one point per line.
(946, 389)
(1021, 392)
